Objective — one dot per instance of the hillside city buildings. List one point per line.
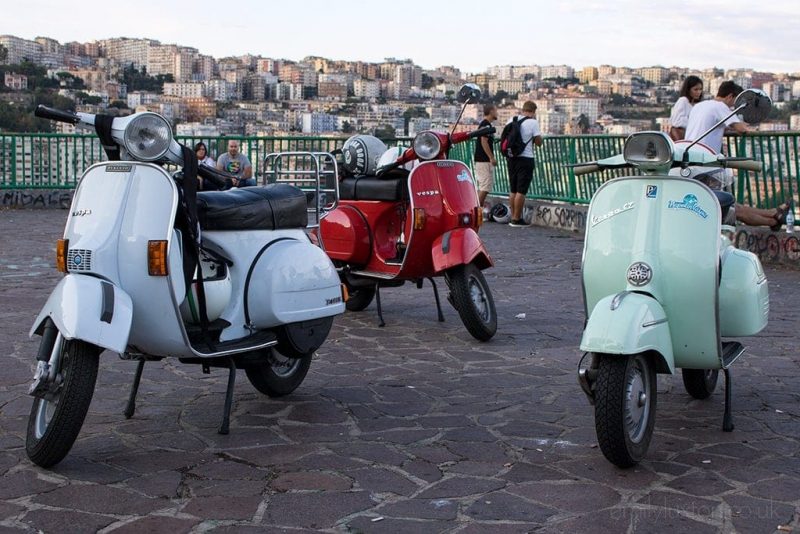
(253, 95)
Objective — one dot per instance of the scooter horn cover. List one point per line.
(361, 154)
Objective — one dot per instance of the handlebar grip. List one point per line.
(45, 112)
(746, 165)
(486, 130)
(585, 169)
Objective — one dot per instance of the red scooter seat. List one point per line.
(272, 207)
(390, 187)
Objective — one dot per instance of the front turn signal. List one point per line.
(62, 246)
(157, 258)
(419, 218)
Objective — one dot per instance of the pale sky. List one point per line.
(469, 34)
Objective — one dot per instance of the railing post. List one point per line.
(14, 161)
(573, 158)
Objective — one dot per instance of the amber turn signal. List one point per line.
(345, 293)
(157, 258)
(62, 246)
(419, 218)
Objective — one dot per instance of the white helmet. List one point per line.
(361, 153)
(527, 214)
(501, 214)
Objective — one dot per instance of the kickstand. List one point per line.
(131, 407)
(378, 303)
(727, 419)
(226, 414)
(438, 304)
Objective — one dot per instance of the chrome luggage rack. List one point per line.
(316, 173)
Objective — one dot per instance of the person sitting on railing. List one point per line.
(237, 164)
(702, 117)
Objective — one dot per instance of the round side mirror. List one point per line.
(469, 93)
(757, 105)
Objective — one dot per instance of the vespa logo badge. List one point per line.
(639, 274)
(463, 176)
(689, 202)
(119, 167)
(335, 300)
(81, 213)
(427, 193)
(651, 191)
(604, 217)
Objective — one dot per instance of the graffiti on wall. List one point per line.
(35, 199)
(768, 246)
(563, 217)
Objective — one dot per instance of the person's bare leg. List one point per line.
(755, 216)
(519, 201)
(482, 197)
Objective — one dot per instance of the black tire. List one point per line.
(360, 298)
(471, 297)
(53, 426)
(700, 383)
(278, 375)
(624, 426)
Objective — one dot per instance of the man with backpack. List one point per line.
(516, 144)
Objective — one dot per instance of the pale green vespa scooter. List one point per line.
(662, 286)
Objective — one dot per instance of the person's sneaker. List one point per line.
(517, 223)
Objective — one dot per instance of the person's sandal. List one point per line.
(780, 216)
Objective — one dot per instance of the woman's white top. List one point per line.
(209, 161)
(679, 117)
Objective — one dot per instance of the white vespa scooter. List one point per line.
(663, 286)
(264, 303)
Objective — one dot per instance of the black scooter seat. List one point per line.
(390, 187)
(272, 207)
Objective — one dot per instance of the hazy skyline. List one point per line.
(468, 34)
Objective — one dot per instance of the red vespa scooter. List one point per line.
(393, 225)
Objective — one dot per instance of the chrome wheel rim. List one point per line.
(479, 300)
(637, 400)
(44, 415)
(282, 366)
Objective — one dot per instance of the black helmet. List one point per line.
(501, 214)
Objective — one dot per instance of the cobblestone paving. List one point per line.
(414, 427)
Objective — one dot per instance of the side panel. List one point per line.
(743, 294)
(345, 235)
(458, 247)
(627, 324)
(89, 309)
(672, 225)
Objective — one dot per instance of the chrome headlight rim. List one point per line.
(427, 145)
(648, 150)
(135, 127)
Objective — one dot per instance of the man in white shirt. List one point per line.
(707, 113)
(520, 168)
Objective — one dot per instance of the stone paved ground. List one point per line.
(411, 428)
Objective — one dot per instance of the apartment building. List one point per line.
(20, 50)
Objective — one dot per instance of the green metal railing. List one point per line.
(37, 161)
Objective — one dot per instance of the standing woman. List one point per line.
(691, 93)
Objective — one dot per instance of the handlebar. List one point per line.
(486, 130)
(745, 165)
(59, 115)
(585, 169)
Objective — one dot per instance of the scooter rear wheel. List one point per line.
(360, 298)
(278, 375)
(625, 407)
(700, 383)
(54, 425)
(472, 298)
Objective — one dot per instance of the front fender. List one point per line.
(459, 247)
(90, 309)
(629, 323)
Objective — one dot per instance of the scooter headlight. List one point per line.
(648, 150)
(147, 137)
(427, 145)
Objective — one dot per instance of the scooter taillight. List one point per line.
(419, 218)
(478, 216)
(62, 246)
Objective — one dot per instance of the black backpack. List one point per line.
(511, 143)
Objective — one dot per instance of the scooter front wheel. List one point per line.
(278, 375)
(700, 383)
(472, 298)
(53, 425)
(625, 407)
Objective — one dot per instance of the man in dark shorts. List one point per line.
(520, 168)
(485, 161)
